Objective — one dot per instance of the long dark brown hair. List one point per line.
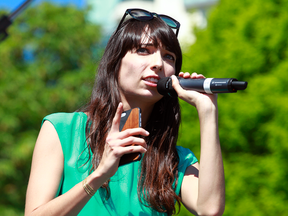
(159, 166)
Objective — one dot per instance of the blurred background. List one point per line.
(49, 59)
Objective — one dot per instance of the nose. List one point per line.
(156, 61)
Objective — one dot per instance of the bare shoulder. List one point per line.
(46, 168)
(48, 140)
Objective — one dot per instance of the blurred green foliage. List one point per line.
(47, 65)
(247, 40)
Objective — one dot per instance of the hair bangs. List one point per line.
(156, 31)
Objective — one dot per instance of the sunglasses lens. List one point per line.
(141, 15)
(169, 22)
(144, 15)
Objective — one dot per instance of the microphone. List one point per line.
(207, 85)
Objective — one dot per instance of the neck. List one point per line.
(146, 110)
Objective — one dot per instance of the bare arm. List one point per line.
(47, 168)
(46, 172)
(203, 187)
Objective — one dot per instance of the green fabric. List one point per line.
(77, 164)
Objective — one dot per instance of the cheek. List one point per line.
(128, 72)
(129, 66)
(170, 70)
(125, 69)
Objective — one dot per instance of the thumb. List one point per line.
(176, 85)
(117, 118)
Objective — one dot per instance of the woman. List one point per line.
(75, 167)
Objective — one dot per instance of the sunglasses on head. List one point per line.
(143, 15)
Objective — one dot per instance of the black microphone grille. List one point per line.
(164, 87)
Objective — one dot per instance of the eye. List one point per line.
(170, 57)
(142, 50)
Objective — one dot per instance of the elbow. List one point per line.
(212, 210)
(211, 213)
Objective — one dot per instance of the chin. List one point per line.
(153, 96)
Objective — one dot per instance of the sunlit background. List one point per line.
(190, 13)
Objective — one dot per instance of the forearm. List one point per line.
(210, 199)
(70, 203)
(211, 188)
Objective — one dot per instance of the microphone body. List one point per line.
(207, 85)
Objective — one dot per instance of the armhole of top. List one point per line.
(59, 190)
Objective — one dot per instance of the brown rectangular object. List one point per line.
(132, 121)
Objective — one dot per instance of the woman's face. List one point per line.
(140, 71)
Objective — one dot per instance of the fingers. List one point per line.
(119, 143)
(116, 139)
(195, 98)
(127, 138)
(133, 132)
(186, 75)
(133, 149)
(194, 75)
(190, 96)
(127, 145)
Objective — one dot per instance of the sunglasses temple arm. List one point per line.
(121, 22)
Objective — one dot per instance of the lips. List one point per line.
(152, 80)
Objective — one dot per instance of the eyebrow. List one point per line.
(153, 45)
(146, 44)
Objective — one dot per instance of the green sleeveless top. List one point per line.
(123, 185)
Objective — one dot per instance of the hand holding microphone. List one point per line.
(204, 85)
